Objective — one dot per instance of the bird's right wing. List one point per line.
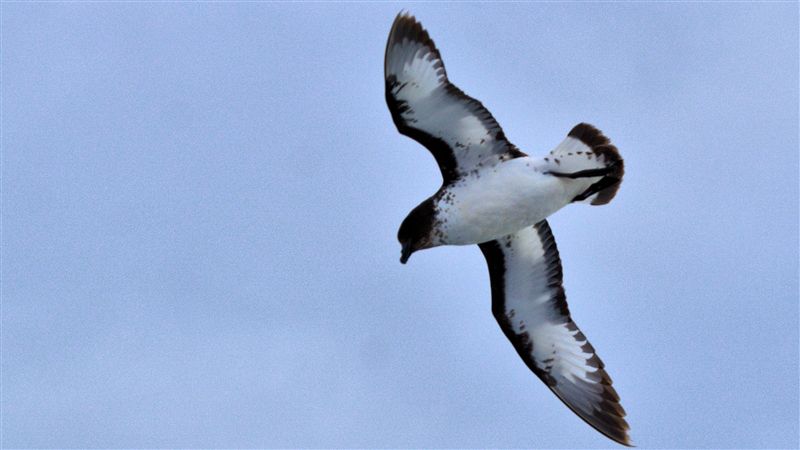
(529, 303)
(425, 106)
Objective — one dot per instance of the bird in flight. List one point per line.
(497, 197)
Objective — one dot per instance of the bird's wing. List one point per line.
(529, 303)
(425, 106)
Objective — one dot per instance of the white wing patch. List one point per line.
(457, 129)
(528, 301)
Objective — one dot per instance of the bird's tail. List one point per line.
(587, 153)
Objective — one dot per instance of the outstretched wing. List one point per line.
(426, 107)
(529, 303)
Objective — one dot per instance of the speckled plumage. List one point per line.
(498, 197)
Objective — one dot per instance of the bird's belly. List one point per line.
(490, 207)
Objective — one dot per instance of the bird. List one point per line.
(499, 198)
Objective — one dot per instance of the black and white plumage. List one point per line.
(497, 197)
(423, 103)
(530, 305)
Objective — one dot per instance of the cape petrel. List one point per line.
(497, 197)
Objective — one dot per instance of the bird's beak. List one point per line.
(406, 252)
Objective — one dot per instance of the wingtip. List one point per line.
(403, 14)
(405, 25)
(621, 439)
(403, 19)
(625, 440)
(612, 426)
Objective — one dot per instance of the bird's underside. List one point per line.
(470, 148)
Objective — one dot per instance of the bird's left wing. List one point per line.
(425, 106)
(529, 303)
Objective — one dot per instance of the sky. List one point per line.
(200, 204)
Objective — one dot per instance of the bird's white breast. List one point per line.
(499, 200)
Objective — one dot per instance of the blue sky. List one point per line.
(200, 203)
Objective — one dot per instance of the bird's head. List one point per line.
(415, 231)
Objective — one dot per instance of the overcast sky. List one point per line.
(200, 204)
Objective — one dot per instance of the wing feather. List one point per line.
(529, 303)
(460, 133)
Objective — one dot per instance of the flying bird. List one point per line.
(497, 197)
